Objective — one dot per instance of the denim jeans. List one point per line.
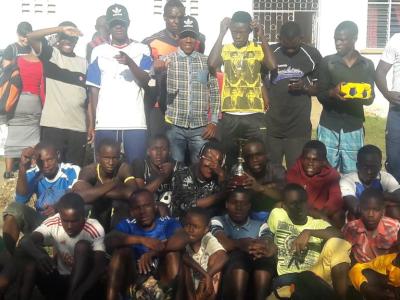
(181, 138)
(393, 142)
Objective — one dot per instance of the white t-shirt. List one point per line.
(351, 185)
(55, 235)
(391, 55)
(209, 245)
(120, 104)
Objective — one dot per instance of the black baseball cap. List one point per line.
(117, 12)
(189, 26)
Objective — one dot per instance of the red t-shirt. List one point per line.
(31, 73)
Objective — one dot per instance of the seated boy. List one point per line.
(378, 279)
(200, 184)
(265, 179)
(49, 180)
(240, 235)
(102, 184)
(373, 234)
(369, 174)
(205, 257)
(139, 246)
(79, 245)
(313, 172)
(308, 244)
(155, 172)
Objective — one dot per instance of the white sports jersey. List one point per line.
(55, 235)
(120, 104)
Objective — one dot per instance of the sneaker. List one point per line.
(8, 175)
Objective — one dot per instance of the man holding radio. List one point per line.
(346, 84)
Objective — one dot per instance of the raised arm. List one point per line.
(24, 164)
(269, 58)
(215, 59)
(36, 36)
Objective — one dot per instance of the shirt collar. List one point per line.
(336, 58)
(183, 54)
(380, 229)
(245, 226)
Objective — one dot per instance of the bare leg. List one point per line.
(28, 280)
(262, 282)
(189, 284)
(339, 281)
(235, 284)
(83, 255)
(121, 272)
(11, 233)
(9, 164)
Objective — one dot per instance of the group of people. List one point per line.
(188, 196)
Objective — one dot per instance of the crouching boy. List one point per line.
(80, 259)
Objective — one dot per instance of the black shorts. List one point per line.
(241, 260)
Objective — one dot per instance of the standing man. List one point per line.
(292, 85)
(191, 94)
(242, 96)
(65, 111)
(163, 43)
(390, 57)
(118, 76)
(341, 124)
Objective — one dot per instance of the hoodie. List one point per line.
(323, 189)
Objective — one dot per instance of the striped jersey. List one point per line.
(55, 235)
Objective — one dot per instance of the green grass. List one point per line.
(374, 133)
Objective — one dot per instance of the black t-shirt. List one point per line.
(14, 50)
(337, 114)
(142, 169)
(289, 114)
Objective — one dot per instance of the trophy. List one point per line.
(238, 174)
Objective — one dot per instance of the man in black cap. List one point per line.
(242, 93)
(118, 76)
(191, 91)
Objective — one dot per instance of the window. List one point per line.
(273, 13)
(38, 6)
(192, 7)
(383, 21)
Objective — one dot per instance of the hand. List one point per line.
(210, 131)
(166, 170)
(48, 210)
(160, 65)
(267, 106)
(203, 291)
(393, 97)
(71, 31)
(373, 292)
(262, 248)
(336, 93)
(144, 263)
(45, 264)
(123, 58)
(300, 243)
(251, 183)
(152, 244)
(214, 165)
(91, 133)
(257, 27)
(67, 259)
(26, 158)
(296, 86)
(225, 23)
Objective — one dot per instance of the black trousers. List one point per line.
(71, 144)
(232, 127)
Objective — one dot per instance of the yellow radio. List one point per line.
(356, 90)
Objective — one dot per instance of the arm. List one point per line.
(211, 129)
(380, 78)
(324, 83)
(335, 201)
(352, 204)
(22, 187)
(141, 76)
(93, 100)
(231, 244)
(269, 58)
(90, 119)
(215, 59)
(216, 262)
(300, 243)
(35, 37)
(210, 200)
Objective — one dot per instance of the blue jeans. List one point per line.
(182, 138)
(342, 147)
(134, 141)
(393, 142)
